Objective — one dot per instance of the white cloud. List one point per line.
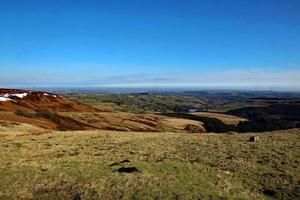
(241, 79)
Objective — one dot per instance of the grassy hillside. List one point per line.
(121, 121)
(227, 119)
(94, 165)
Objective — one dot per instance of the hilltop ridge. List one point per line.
(13, 99)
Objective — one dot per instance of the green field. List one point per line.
(61, 165)
(138, 103)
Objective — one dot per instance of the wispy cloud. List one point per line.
(247, 79)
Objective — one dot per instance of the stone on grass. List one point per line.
(254, 139)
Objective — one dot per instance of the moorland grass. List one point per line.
(66, 165)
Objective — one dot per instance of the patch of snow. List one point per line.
(52, 95)
(4, 99)
(7, 97)
(20, 95)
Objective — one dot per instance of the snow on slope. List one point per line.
(9, 97)
(4, 99)
(15, 94)
(13, 99)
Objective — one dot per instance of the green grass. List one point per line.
(138, 103)
(60, 165)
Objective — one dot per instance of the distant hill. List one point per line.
(266, 118)
(13, 99)
(52, 111)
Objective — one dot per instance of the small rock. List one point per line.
(44, 168)
(254, 139)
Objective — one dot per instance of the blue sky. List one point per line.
(160, 43)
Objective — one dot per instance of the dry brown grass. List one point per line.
(227, 119)
(8, 128)
(41, 122)
(61, 165)
(122, 121)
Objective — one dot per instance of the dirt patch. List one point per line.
(127, 170)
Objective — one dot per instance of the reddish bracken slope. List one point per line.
(51, 111)
(13, 99)
(41, 109)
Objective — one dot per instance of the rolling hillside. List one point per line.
(226, 118)
(119, 155)
(54, 112)
(13, 99)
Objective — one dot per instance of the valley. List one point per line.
(147, 146)
(149, 100)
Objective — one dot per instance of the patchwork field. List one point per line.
(123, 165)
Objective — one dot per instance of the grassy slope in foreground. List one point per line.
(60, 165)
